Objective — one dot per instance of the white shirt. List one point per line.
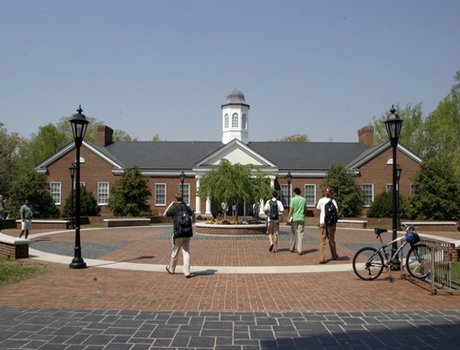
(280, 208)
(321, 203)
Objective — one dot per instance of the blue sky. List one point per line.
(321, 68)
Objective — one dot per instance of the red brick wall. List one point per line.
(95, 169)
(20, 251)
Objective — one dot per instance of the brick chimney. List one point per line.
(366, 136)
(104, 135)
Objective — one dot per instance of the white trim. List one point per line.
(372, 196)
(380, 149)
(100, 193)
(60, 192)
(165, 194)
(314, 194)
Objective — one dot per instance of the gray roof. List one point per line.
(162, 154)
(235, 97)
(308, 155)
(184, 155)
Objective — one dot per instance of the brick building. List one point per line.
(164, 161)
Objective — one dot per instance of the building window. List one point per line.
(102, 193)
(285, 195)
(235, 120)
(368, 194)
(244, 122)
(412, 189)
(310, 195)
(160, 194)
(226, 121)
(55, 191)
(389, 187)
(186, 192)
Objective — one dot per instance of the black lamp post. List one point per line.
(79, 126)
(72, 173)
(393, 125)
(182, 179)
(289, 178)
(398, 176)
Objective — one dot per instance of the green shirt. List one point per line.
(26, 211)
(298, 205)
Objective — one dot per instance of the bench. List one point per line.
(122, 222)
(40, 224)
(352, 223)
(433, 226)
(13, 247)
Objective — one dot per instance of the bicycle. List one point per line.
(369, 262)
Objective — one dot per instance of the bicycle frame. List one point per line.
(385, 255)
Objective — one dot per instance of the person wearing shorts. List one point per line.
(26, 212)
(274, 224)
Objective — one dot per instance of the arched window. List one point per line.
(226, 122)
(235, 120)
(244, 122)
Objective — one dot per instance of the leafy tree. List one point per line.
(88, 204)
(120, 135)
(91, 133)
(345, 190)
(227, 182)
(442, 129)
(9, 159)
(295, 138)
(48, 141)
(437, 194)
(382, 206)
(411, 131)
(34, 187)
(130, 194)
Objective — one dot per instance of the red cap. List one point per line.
(328, 190)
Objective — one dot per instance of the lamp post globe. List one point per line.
(393, 125)
(72, 169)
(79, 125)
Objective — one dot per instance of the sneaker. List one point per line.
(188, 276)
(167, 269)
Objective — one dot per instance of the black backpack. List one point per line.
(330, 213)
(273, 212)
(183, 224)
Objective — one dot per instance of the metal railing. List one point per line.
(439, 263)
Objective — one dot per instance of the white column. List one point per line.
(272, 181)
(197, 198)
(261, 208)
(208, 206)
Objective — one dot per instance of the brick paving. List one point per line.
(101, 308)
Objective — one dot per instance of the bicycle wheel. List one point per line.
(368, 263)
(418, 261)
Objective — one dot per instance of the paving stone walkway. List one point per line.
(146, 308)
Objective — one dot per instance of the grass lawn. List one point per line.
(14, 271)
(456, 272)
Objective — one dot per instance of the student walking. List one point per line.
(26, 212)
(182, 233)
(274, 210)
(327, 229)
(297, 214)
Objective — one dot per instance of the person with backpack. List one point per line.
(327, 220)
(274, 210)
(182, 233)
(297, 216)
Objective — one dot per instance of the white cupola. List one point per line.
(235, 118)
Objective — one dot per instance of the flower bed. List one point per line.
(245, 227)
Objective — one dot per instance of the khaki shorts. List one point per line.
(273, 227)
(26, 225)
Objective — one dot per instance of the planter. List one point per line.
(232, 230)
